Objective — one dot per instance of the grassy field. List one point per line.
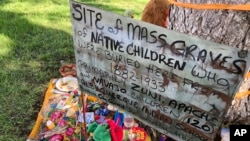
(35, 40)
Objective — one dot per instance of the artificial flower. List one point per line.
(62, 123)
(70, 131)
(55, 115)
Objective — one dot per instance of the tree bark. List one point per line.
(222, 26)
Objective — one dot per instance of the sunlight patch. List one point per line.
(5, 45)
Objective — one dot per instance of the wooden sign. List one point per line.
(178, 84)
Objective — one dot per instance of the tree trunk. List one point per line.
(222, 26)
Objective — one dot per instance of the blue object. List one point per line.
(119, 118)
(102, 111)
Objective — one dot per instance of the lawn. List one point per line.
(35, 40)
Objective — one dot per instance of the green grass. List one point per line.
(35, 40)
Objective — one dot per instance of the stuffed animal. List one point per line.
(156, 12)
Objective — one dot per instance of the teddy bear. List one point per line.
(156, 12)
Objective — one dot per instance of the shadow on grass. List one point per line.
(34, 58)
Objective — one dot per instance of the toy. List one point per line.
(156, 12)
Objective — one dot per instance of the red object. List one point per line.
(116, 131)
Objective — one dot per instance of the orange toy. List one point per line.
(156, 12)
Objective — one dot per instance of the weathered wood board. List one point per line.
(178, 84)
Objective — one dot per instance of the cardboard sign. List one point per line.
(176, 83)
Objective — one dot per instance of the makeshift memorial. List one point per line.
(61, 118)
(178, 84)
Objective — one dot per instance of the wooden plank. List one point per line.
(178, 84)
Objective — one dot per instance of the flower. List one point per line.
(56, 137)
(62, 123)
(70, 131)
(55, 115)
